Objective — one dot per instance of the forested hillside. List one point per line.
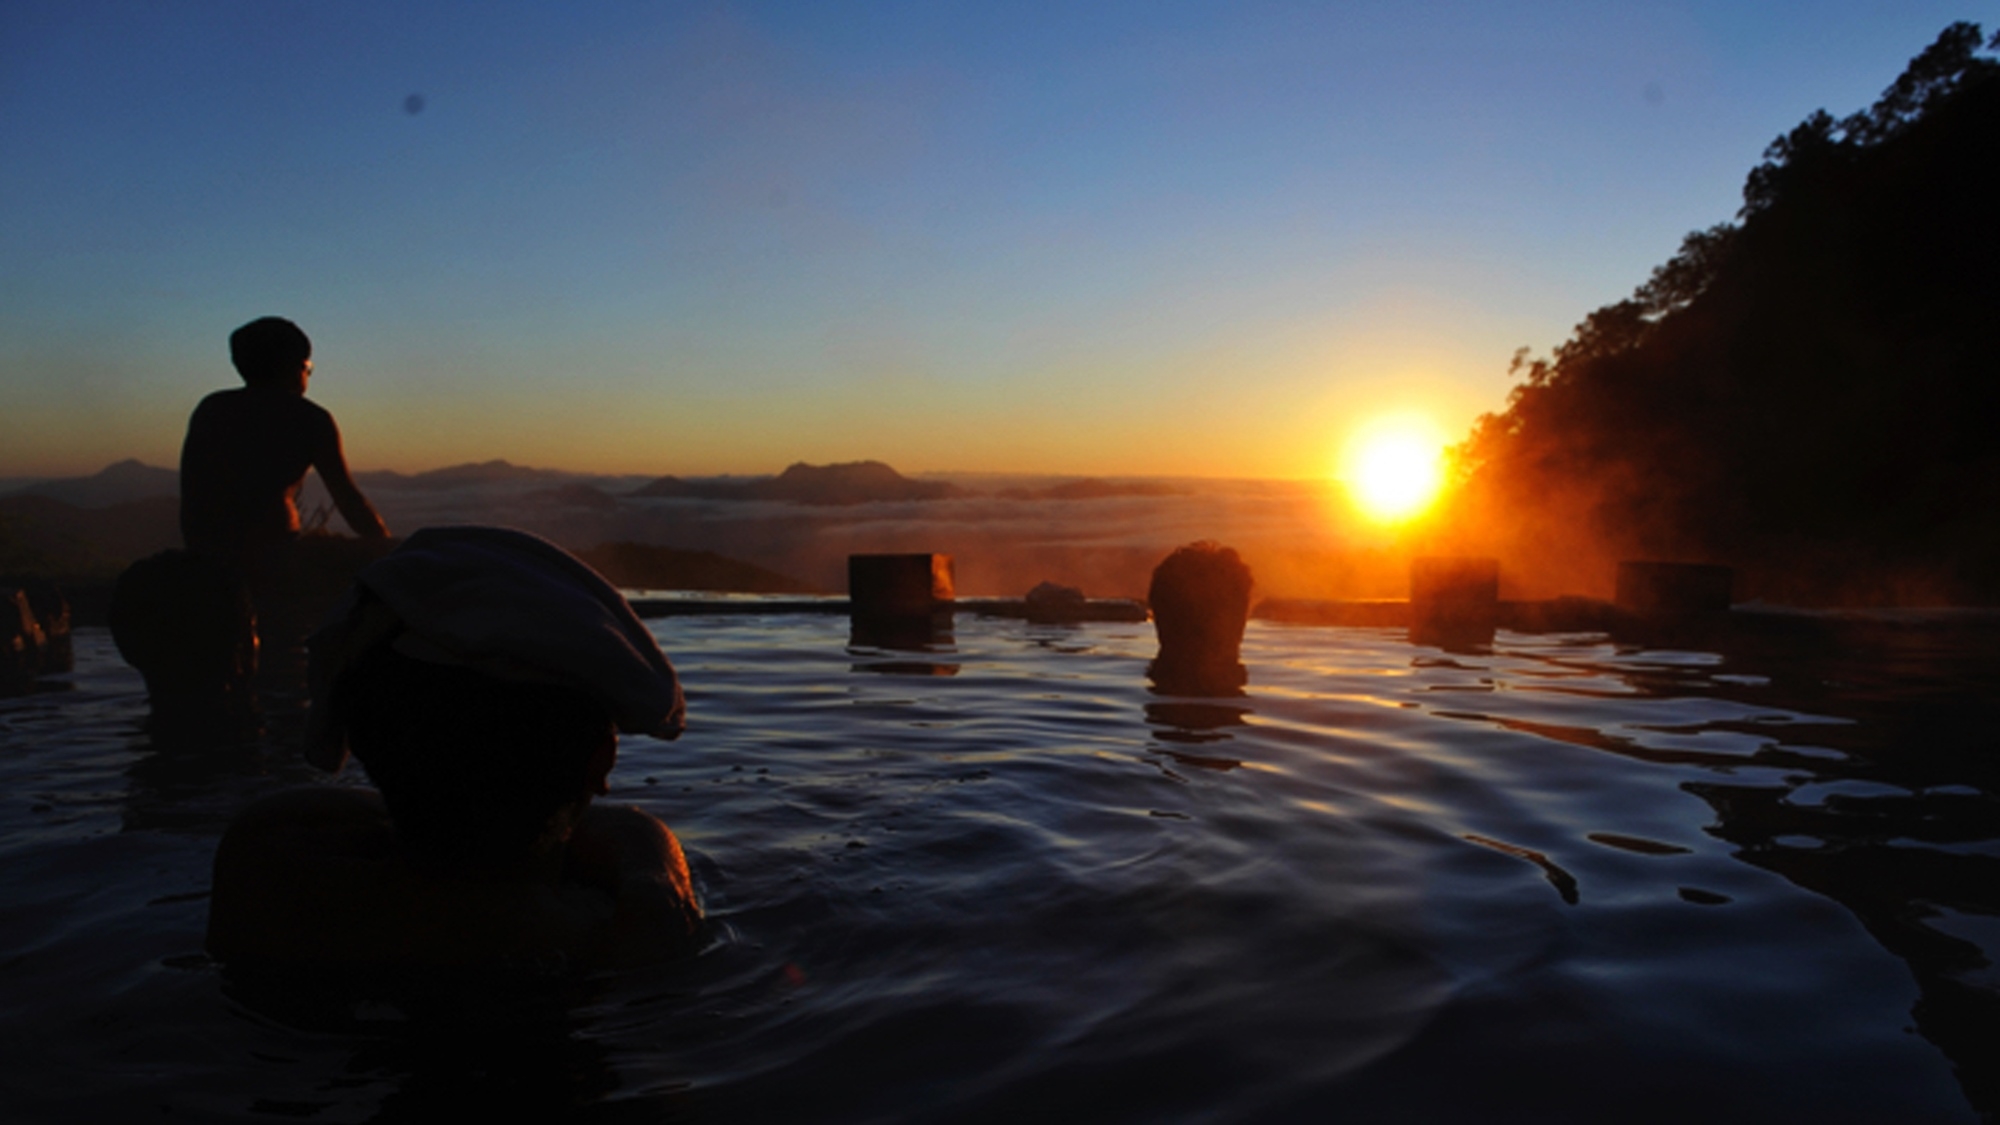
(1810, 393)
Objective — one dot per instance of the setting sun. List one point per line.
(1394, 466)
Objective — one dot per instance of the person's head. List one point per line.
(186, 622)
(482, 676)
(475, 770)
(271, 352)
(1200, 597)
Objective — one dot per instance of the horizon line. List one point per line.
(12, 478)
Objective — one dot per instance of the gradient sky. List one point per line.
(1109, 237)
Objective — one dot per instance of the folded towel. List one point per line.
(505, 603)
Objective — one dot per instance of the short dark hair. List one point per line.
(1200, 597)
(472, 768)
(268, 348)
(1199, 589)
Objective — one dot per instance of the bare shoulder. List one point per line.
(215, 411)
(316, 875)
(636, 857)
(307, 408)
(627, 836)
(275, 864)
(317, 803)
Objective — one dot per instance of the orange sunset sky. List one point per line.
(1111, 239)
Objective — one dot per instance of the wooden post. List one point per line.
(1454, 601)
(900, 601)
(899, 585)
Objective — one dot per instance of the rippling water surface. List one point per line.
(1560, 880)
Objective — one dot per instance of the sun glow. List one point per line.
(1394, 466)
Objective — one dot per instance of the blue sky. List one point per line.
(1114, 237)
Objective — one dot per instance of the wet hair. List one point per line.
(186, 622)
(1200, 596)
(268, 349)
(473, 769)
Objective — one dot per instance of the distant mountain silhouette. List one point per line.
(1811, 393)
(856, 482)
(84, 548)
(50, 538)
(1090, 488)
(119, 483)
(643, 566)
(577, 495)
(459, 476)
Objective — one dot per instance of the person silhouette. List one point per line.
(1200, 598)
(247, 452)
(481, 675)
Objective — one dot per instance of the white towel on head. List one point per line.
(505, 603)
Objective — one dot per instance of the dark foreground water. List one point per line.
(1562, 880)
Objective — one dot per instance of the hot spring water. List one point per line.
(1560, 880)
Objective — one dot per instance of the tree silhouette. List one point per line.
(1810, 392)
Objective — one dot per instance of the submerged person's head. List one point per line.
(1200, 597)
(269, 351)
(482, 676)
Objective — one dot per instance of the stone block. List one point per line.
(917, 585)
